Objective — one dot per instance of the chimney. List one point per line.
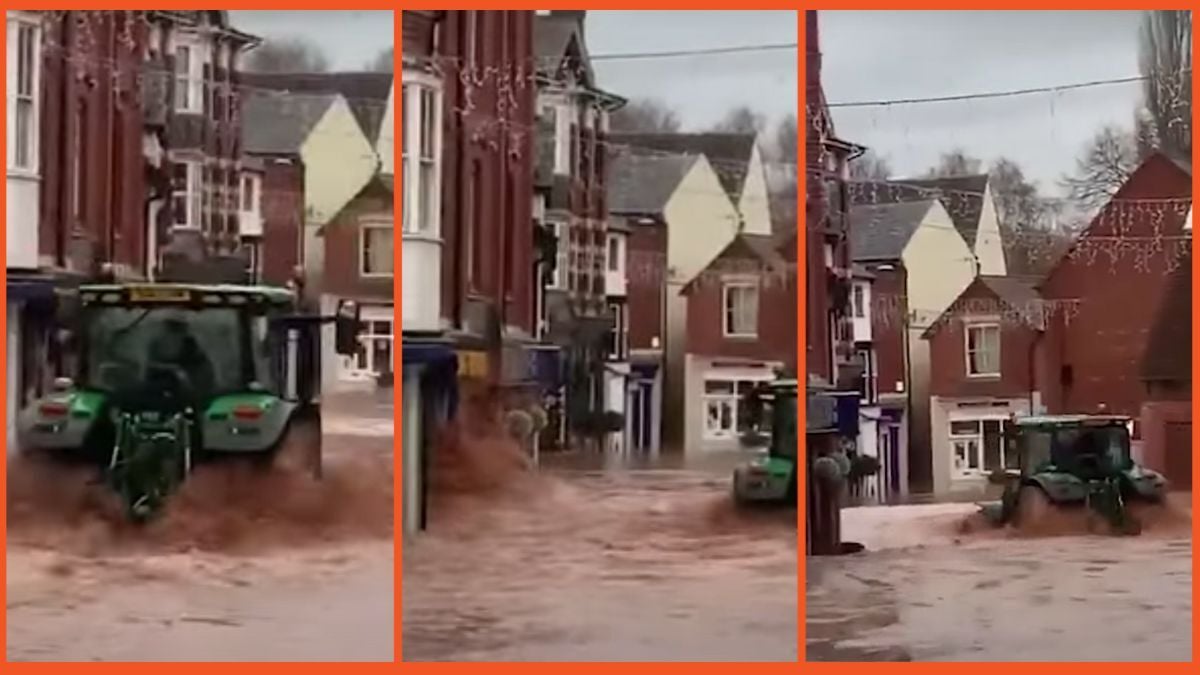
(577, 14)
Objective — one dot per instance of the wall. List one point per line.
(647, 251)
(701, 219)
(615, 281)
(705, 319)
(283, 218)
(505, 279)
(949, 353)
(696, 369)
(989, 245)
(386, 143)
(1103, 347)
(939, 264)
(942, 411)
(342, 240)
(1153, 421)
(85, 120)
(861, 324)
(887, 328)
(754, 203)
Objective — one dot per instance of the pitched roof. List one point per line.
(765, 247)
(961, 195)
(1019, 294)
(365, 92)
(1169, 348)
(729, 153)
(881, 231)
(279, 123)
(645, 183)
(552, 35)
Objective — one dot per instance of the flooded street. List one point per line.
(925, 591)
(582, 562)
(241, 567)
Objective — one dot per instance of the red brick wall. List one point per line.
(1104, 341)
(283, 219)
(776, 325)
(888, 308)
(493, 207)
(342, 246)
(1155, 416)
(647, 251)
(948, 356)
(107, 139)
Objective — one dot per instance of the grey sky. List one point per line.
(889, 55)
(350, 39)
(701, 88)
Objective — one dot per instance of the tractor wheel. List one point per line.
(299, 449)
(1033, 509)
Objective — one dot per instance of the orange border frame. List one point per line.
(396, 7)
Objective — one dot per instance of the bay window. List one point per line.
(421, 108)
(24, 36)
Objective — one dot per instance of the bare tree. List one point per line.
(383, 61)
(1166, 64)
(1107, 161)
(288, 55)
(787, 137)
(741, 120)
(870, 166)
(645, 116)
(955, 163)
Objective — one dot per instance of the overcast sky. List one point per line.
(890, 55)
(350, 39)
(701, 88)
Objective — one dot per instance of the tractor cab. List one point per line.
(1073, 460)
(771, 478)
(169, 373)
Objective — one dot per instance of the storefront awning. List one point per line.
(30, 288)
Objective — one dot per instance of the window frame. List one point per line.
(979, 438)
(728, 330)
(191, 78)
(193, 195)
(981, 326)
(421, 155)
(17, 25)
(365, 227)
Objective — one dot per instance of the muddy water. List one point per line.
(242, 566)
(930, 590)
(595, 559)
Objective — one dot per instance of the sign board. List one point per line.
(158, 294)
(473, 365)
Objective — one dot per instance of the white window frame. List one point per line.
(365, 227)
(254, 182)
(361, 365)
(981, 328)
(562, 234)
(858, 300)
(730, 400)
(727, 298)
(421, 148)
(189, 83)
(193, 195)
(17, 23)
(975, 438)
(615, 253)
(562, 139)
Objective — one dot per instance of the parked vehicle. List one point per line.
(771, 477)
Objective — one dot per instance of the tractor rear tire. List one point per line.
(1034, 509)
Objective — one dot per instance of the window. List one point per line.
(24, 97)
(562, 258)
(79, 160)
(376, 254)
(189, 82)
(983, 350)
(187, 194)
(249, 193)
(741, 309)
(859, 309)
(725, 410)
(420, 154)
(979, 447)
(374, 355)
(614, 253)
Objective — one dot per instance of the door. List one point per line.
(893, 444)
(1178, 455)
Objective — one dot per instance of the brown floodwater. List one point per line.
(243, 566)
(592, 558)
(937, 585)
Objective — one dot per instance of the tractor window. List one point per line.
(1035, 448)
(124, 342)
(263, 349)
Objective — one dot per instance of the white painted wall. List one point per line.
(939, 267)
(338, 162)
(701, 222)
(941, 411)
(422, 281)
(21, 182)
(385, 147)
(697, 369)
(861, 324)
(615, 279)
(754, 203)
(989, 244)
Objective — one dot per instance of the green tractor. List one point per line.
(771, 477)
(171, 374)
(1073, 461)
